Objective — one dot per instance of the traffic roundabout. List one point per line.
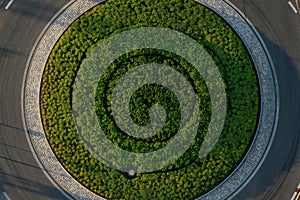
(249, 160)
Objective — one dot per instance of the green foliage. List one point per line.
(189, 176)
(145, 97)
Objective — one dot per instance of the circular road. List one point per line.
(22, 21)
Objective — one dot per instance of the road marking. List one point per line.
(296, 195)
(297, 4)
(6, 196)
(9, 4)
(293, 7)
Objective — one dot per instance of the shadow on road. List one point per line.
(31, 132)
(20, 183)
(40, 10)
(269, 183)
(7, 52)
(24, 150)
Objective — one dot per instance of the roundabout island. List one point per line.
(73, 156)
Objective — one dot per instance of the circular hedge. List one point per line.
(189, 176)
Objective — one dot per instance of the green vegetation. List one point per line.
(189, 176)
(145, 97)
(142, 100)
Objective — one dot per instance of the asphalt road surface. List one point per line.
(20, 25)
(279, 26)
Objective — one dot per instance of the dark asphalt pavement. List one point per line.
(280, 28)
(20, 25)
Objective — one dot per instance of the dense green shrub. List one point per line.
(189, 176)
(146, 96)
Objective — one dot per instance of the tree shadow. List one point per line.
(31, 132)
(26, 184)
(19, 183)
(30, 186)
(8, 52)
(34, 133)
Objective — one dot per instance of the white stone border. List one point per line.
(67, 184)
(31, 108)
(269, 102)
